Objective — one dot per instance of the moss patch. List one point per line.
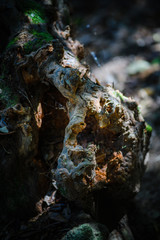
(87, 232)
(156, 60)
(148, 128)
(120, 95)
(35, 16)
(33, 10)
(139, 110)
(43, 35)
(40, 38)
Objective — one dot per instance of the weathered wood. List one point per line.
(103, 136)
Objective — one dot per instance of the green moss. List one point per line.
(148, 128)
(123, 147)
(35, 16)
(40, 38)
(43, 35)
(32, 9)
(139, 110)
(119, 95)
(156, 60)
(7, 97)
(87, 232)
(83, 232)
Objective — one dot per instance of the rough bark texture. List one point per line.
(92, 137)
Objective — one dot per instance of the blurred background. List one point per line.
(122, 48)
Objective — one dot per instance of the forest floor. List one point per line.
(122, 48)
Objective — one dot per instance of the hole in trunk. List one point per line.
(107, 143)
(53, 127)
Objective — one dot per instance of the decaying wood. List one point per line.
(92, 137)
